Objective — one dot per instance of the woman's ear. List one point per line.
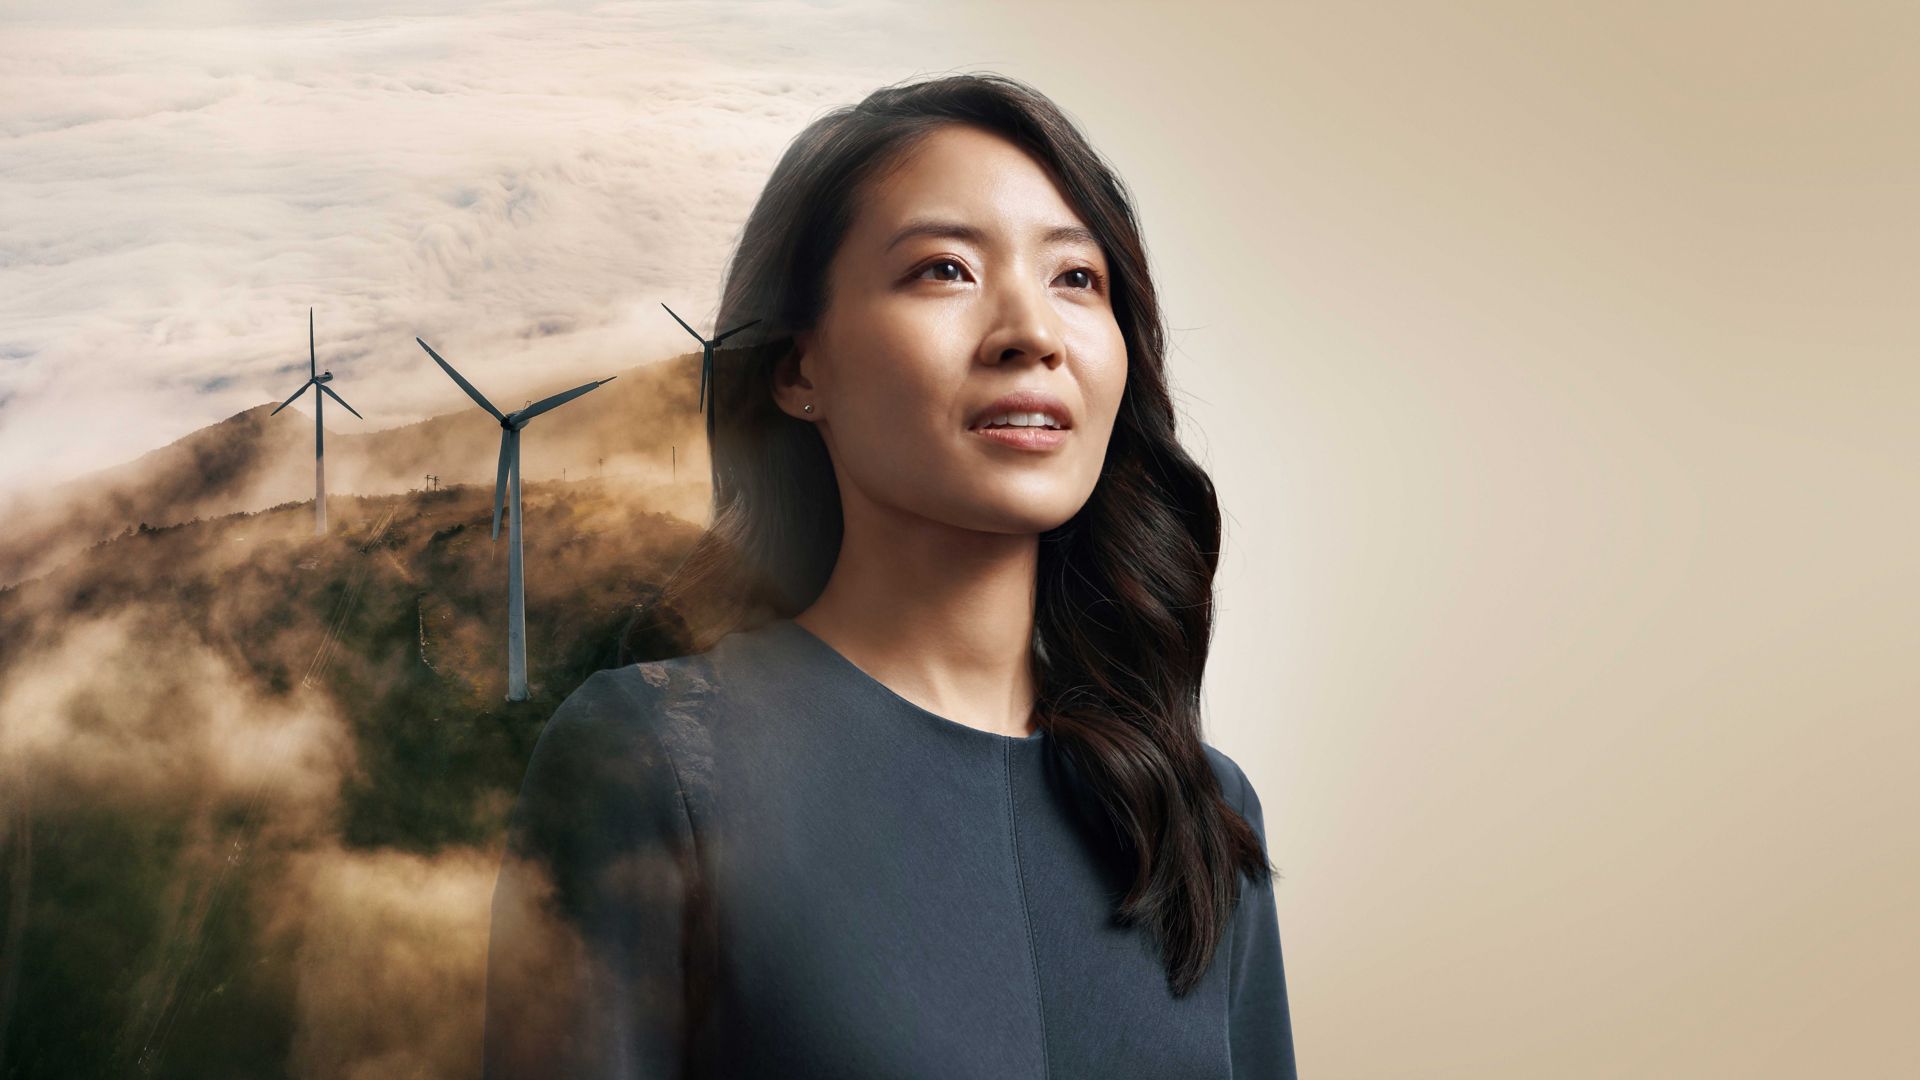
(793, 391)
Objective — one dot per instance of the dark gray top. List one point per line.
(759, 861)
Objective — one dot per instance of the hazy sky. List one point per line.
(521, 187)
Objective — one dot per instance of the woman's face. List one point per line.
(964, 276)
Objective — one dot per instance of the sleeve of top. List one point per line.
(586, 962)
(1259, 1025)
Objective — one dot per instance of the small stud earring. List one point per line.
(808, 407)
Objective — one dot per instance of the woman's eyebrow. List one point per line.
(954, 230)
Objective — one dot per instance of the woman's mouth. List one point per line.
(1037, 437)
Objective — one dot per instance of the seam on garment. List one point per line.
(1026, 916)
(1233, 926)
(660, 740)
(697, 890)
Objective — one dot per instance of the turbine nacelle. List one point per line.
(706, 351)
(317, 380)
(510, 425)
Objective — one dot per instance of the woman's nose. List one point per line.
(1024, 326)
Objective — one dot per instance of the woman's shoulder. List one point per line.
(680, 708)
(1239, 792)
(622, 756)
(733, 665)
(623, 697)
(652, 684)
(1234, 785)
(653, 703)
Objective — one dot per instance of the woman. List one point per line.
(919, 790)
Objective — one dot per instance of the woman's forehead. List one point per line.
(970, 175)
(967, 184)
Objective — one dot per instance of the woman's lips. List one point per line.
(1024, 438)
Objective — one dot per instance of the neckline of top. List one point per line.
(835, 658)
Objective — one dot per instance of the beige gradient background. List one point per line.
(1557, 367)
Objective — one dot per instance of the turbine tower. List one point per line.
(510, 425)
(706, 357)
(320, 379)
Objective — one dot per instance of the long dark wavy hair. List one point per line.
(1125, 592)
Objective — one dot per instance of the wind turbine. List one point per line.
(706, 353)
(320, 379)
(510, 425)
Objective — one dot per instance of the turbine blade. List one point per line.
(289, 401)
(500, 481)
(464, 384)
(733, 331)
(555, 401)
(683, 322)
(706, 365)
(313, 363)
(328, 390)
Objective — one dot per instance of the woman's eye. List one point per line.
(1088, 279)
(1091, 275)
(937, 266)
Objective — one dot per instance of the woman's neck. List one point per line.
(942, 616)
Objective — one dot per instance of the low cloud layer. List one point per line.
(522, 188)
(245, 824)
(388, 947)
(127, 712)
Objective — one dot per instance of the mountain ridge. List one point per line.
(642, 425)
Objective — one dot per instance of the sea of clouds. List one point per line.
(521, 186)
